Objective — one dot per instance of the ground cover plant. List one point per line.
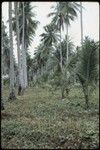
(40, 119)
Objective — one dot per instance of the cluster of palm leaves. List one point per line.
(30, 24)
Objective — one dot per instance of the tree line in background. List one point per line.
(56, 62)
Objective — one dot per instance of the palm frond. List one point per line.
(89, 61)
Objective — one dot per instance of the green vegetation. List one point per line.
(50, 100)
(40, 120)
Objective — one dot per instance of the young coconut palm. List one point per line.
(87, 70)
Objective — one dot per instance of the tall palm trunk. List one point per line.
(62, 69)
(25, 69)
(23, 48)
(67, 45)
(61, 53)
(2, 105)
(12, 90)
(24, 52)
(61, 65)
(2, 60)
(81, 20)
(67, 51)
(20, 77)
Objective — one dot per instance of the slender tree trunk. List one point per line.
(81, 20)
(12, 90)
(61, 60)
(2, 59)
(25, 69)
(67, 53)
(62, 70)
(20, 77)
(86, 95)
(2, 105)
(61, 53)
(24, 52)
(23, 49)
(67, 47)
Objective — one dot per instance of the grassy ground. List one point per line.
(41, 120)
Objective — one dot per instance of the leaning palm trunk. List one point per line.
(20, 77)
(12, 90)
(24, 52)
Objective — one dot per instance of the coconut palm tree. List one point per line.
(87, 68)
(58, 23)
(49, 39)
(69, 13)
(29, 27)
(12, 90)
(30, 23)
(64, 13)
(50, 36)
